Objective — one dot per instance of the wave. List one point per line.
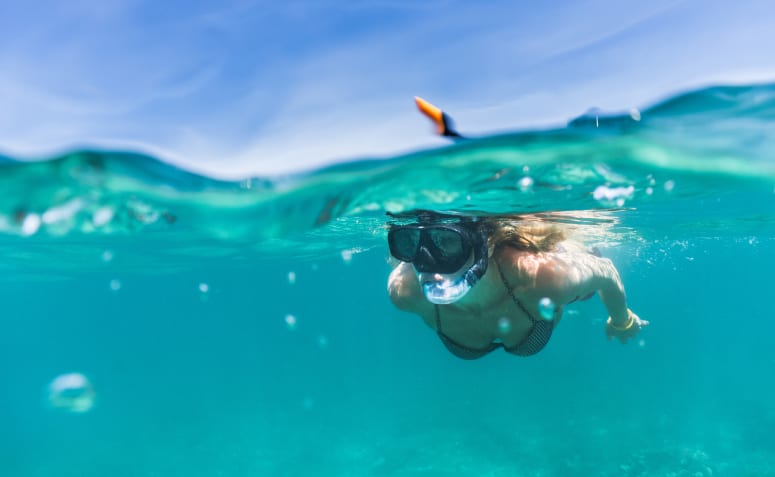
(701, 160)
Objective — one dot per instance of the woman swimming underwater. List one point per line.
(484, 283)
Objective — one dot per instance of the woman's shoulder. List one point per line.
(537, 269)
(516, 255)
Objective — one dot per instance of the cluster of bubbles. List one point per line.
(73, 392)
(546, 308)
(290, 320)
(617, 196)
(292, 323)
(63, 217)
(613, 195)
(525, 183)
(107, 257)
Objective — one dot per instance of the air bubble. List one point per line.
(347, 255)
(115, 285)
(322, 342)
(107, 256)
(504, 325)
(669, 186)
(291, 278)
(30, 224)
(204, 287)
(71, 392)
(546, 308)
(525, 183)
(290, 322)
(102, 216)
(635, 114)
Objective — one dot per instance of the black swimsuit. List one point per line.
(535, 341)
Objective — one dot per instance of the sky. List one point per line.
(239, 88)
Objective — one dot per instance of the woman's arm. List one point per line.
(566, 276)
(400, 287)
(405, 292)
(596, 274)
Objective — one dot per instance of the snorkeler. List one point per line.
(496, 282)
(489, 283)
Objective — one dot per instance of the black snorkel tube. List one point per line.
(479, 268)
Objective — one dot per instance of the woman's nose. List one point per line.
(424, 260)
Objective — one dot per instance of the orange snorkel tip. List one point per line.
(433, 113)
(443, 122)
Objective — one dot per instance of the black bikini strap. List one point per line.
(510, 291)
(438, 319)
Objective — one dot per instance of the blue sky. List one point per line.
(236, 88)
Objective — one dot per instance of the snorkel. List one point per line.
(445, 289)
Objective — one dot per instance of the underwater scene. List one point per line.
(161, 323)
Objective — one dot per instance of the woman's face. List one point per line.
(449, 259)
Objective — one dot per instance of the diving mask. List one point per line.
(439, 252)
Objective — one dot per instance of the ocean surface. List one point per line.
(244, 329)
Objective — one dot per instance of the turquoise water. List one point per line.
(172, 293)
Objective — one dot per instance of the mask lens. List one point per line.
(404, 243)
(451, 249)
(449, 243)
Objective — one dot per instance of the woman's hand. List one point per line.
(627, 330)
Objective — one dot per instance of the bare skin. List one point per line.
(563, 276)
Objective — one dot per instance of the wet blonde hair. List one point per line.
(524, 234)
